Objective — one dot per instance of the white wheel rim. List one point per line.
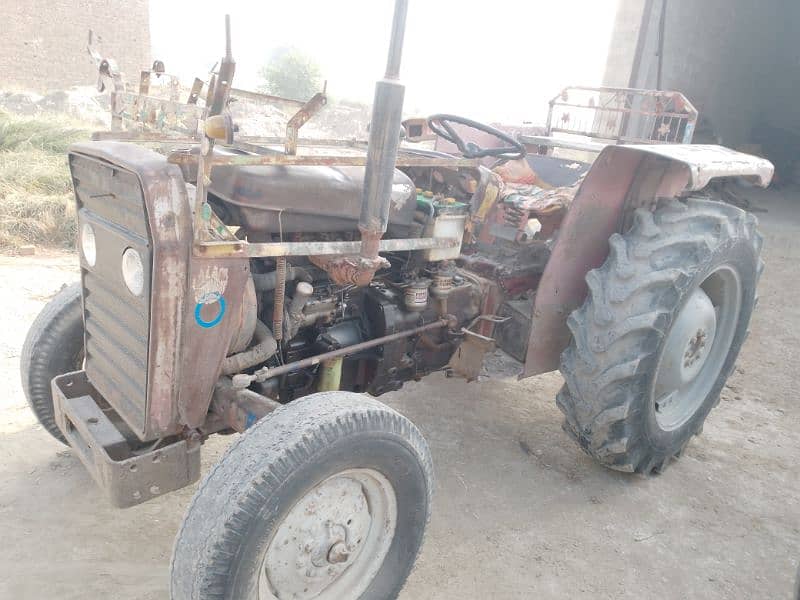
(696, 348)
(333, 541)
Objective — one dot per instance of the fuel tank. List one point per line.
(273, 199)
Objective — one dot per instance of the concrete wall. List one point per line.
(781, 105)
(720, 53)
(624, 38)
(43, 43)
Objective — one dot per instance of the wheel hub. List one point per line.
(339, 553)
(695, 349)
(333, 541)
(332, 547)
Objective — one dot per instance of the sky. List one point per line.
(498, 60)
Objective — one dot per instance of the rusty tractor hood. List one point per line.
(271, 199)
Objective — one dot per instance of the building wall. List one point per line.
(781, 104)
(720, 53)
(624, 38)
(43, 44)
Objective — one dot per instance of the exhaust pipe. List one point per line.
(384, 140)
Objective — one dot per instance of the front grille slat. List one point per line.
(115, 306)
(110, 360)
(124, 215)
(121, 354)
(99, 326)
(110, 191)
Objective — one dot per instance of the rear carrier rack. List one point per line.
(128, 475)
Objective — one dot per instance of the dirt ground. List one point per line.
(519, 511)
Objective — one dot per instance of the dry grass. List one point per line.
(36, 204)
(49, 133)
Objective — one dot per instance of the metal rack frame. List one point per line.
(623, 115)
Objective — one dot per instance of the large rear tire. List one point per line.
(327, 497)
(54, 346)
(659, 332)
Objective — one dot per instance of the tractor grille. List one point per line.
(111, 200)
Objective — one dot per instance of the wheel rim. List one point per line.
(696, 348)
(333, 541)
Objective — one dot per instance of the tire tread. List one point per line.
(229, 496)
(45, 341)
(617, 332)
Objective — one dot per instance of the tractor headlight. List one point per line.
(133, 271)
(88, 244)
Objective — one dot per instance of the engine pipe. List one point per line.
(264, 348)
(243, 380)
(384, 140)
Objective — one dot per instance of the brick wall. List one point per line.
(43, 44)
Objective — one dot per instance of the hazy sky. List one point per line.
(493, 60)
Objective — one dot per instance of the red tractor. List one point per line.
(239, 285)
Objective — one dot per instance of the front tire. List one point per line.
(53, 346)
(326, 497)
(659, 332)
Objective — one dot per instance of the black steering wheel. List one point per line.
(441, 125)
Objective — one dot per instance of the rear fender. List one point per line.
(622, 179)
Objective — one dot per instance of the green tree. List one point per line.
(291, 73)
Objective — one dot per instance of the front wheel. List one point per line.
(659, 332)
(327, 497)
(53, 346)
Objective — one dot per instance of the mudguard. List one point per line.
(622, 179)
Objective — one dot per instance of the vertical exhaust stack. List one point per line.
(384, 140)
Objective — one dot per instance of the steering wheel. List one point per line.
(441, 125)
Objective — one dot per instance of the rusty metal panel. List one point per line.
(127, 478)
(189, 159)
(707, 162)
(170, 219)
(582, 245)
(168, 223)
(275, 249)
(214, 304)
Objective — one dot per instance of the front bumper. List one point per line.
(128, 476)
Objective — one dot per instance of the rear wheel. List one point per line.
(54, 346)
(327, 497)
(659, 332)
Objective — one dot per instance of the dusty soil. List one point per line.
(519, 510)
